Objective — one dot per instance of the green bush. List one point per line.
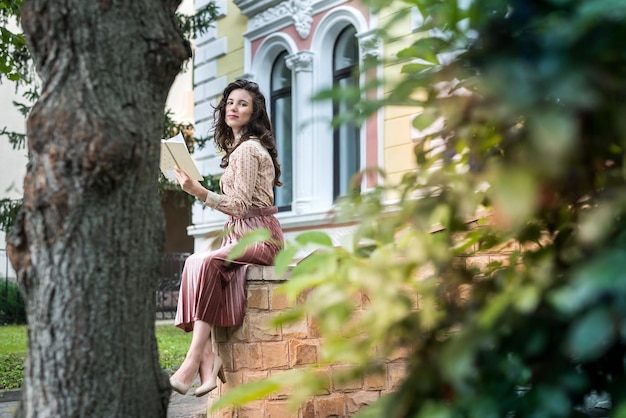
(11, 370)
(12, 307)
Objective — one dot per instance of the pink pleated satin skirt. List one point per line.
(214, 291)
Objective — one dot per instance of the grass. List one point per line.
(12, 355)
(172, 342)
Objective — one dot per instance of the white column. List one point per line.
(305, 146)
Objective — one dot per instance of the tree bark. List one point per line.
(87, 244)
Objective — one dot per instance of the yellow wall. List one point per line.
(397, 141)
(232, 26)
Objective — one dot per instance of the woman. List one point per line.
(212, 291)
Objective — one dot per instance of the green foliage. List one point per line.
(13, 51)
(499, 269)
(173, 344)
(12, 306)
(11, 370)
(247, 240)
(12, 355)
(9, 209)
(197, 24)
(13, 339)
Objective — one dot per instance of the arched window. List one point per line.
(282, 121)
(346, 138)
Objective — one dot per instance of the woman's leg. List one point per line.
(206, 364)
(187, 371)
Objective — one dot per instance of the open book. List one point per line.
(174, 153)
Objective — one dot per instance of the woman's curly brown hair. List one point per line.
(259, 125)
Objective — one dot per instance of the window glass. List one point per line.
(281, 111)
(347, 145)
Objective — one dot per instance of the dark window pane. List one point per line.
(282, 121)
(347, 142)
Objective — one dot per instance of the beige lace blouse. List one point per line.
(248, 181)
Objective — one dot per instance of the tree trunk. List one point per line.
(87, 244)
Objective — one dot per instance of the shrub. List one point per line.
(12, 307)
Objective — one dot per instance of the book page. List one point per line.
(174, 152)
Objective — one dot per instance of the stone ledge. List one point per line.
(10, 395)
(264, 274)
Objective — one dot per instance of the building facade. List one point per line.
(294, 49)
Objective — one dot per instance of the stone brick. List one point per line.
(343, 379)
(225, 352)
(357, 400)
(400, 353)
(302, 297)
(376, 381)
(503, 259)
(239, 333)
(356, 322)
(221, 334)
(479, 261)
(397, 373)
(506, 248)
(330, 406)
(233, 380)
(465, 292)
(275, 355)
(278, 300)
(246, 356)
(326, 377)
(459, 262)
(314, 330)
(424, 271)
(302, 353)
(269, 274)
(280, 409)
(284, 392)
(459, 239)
(254, 375)
(260, 328)
(221, 413)
(258, 297)
(299, 329)
(254, 274)
(255, 409)
(307, 409)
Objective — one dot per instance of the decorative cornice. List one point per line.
(300, 61)
(302, 16)
(369, 43)
(249, 8)
(299, 12)
(276, 21)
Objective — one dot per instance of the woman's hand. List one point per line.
(189, 185)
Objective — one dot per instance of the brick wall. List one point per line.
(255, 351)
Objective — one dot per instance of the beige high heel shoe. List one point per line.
(218, 371)
(179, 386)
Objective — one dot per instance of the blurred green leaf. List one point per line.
(248, 240)
(284, 259)
(590, 335)
(314, 237)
